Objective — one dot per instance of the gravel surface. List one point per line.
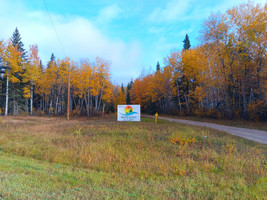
(250, 134)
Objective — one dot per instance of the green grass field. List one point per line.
(51, 158)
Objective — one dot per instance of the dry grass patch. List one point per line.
(188, 161)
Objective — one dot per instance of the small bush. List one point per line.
(79, 131)
(183, 140)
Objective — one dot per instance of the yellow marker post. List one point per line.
(156, 117)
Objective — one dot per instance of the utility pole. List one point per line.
(68, 106)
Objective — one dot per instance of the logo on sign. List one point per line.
(128, 111)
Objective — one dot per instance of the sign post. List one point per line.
(156, 117)
(128, 113)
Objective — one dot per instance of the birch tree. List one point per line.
(32, 74)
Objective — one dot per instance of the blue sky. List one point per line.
(133, 34)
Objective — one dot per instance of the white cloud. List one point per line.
(174, 10)
(80, 38)
(189, 10)
(109, 13)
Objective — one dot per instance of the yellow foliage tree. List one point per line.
(12, 60)
(32, 74)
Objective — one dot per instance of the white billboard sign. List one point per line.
(128, 113)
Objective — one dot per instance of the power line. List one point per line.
(68, 104)
(54, 27)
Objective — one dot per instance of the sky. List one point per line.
(133, 34)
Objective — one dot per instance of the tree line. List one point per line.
(27, 87)
(224, 77)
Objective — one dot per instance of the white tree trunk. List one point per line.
(179, 101)
(6, 110)
(103, 110)
(50, 106)
(31, 98)
(56, 108)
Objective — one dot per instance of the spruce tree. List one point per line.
(128, 98)
(41, 66)
(51, 61)
(16, 41)
(122, 88)
(158, 67)
(186, 42)
(17, 100)
(52, 58)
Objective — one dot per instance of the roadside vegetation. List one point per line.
(52, 158)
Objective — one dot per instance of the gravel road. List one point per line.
(250, 134)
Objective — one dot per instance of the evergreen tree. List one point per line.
(158, 67)
(51, 61)
(41, 66)
(186, 42)
(122, 89)
(128, 98)
(16, 41)
(17, 101)
(52, 58)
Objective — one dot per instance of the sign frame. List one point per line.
(129, 113)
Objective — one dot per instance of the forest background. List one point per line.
(224, 77)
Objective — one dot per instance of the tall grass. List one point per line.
(166, 160)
